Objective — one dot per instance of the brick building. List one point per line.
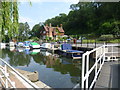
(53, 32)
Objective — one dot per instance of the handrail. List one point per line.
(24, 78)
(7, 79)
(100, 54)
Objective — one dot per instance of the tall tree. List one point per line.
(24, 31)
(90, 17)
(35, 32)
(9, 19)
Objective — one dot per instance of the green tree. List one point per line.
(90, 18)
(35, 32)
(24, 31)
(9, 19)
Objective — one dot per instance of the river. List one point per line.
(54, 70)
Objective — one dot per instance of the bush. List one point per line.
(105, 37)
(35, 38)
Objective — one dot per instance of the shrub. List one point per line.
(106, 37)
(35, 38)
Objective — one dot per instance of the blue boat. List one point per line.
(66, 50)
(26, 44)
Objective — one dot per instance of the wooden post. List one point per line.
(87, 42)
(95, 43)
(81, 41)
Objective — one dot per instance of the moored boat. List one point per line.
(20, 44)
(46, 46)
(26, 44)
(34, 45)
(2, 45)
(11, 44)
(66, 50)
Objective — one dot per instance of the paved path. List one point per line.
(109, 76)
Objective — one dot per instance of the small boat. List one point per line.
(66, 50)
(2, 45)
(20, 44)
(26, 44)
(11, 44)
(34, 45)
(46, 46)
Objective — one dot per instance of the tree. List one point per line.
(27, 30)
(35, 32)
(90, 18)
(24, 31)
(9, 19)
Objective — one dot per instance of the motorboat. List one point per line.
(34, 45)
(20, 44)
(46, 46)
(11, 44)
(2, 45)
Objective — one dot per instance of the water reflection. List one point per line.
(68, 69)
(34, 51)
(12, 48)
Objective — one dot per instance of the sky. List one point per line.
(42, 10)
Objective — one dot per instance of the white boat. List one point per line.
(19, 44)
(34, 45)
(11, 44)
(2, 45)
(46, 46)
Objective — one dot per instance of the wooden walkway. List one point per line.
(109, 77)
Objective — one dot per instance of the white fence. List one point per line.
(5, 77)
(100, 55)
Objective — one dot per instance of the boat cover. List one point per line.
(66, 47)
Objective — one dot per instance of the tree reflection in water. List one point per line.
(60, 65)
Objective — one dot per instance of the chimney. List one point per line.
(50, 25)
(61, 25)
(46, 24)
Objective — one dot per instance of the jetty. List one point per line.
(103, 73)
(109, 76)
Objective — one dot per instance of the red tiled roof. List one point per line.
(60, 29)
(46, 28)
(52, 29)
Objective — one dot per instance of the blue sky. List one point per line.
(41, 11)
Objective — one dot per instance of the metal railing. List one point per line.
(99, 55)
(7, 82)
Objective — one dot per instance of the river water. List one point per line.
(54, 70)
